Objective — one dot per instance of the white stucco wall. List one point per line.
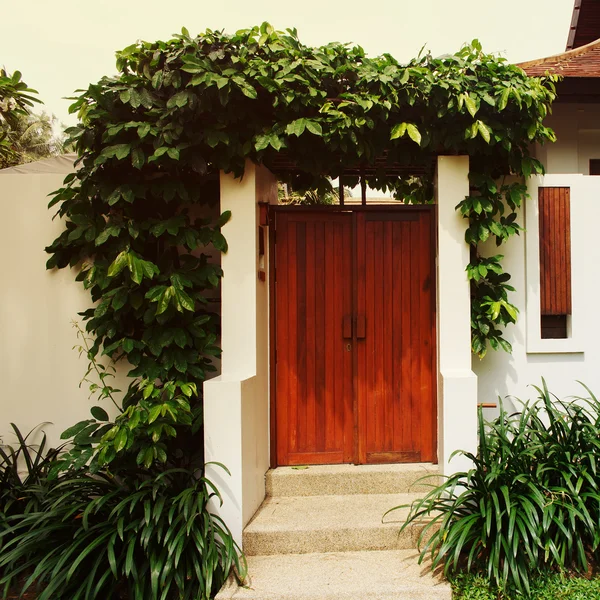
(39, 370)
(560, 362)
(457, 384)
(236, 404)
(577, 128)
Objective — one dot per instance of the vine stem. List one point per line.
(93, 365)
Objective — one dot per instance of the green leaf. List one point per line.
(471, 105)
(120, 440)
(314, 127)
(262, 142)
(413, 133)
(118, 264)
(127, 345)
(173, 153)
(484, 131)
(248, 91)
(135, 268)
(135, 99)
(164, 300)
(510, 309)
(99, 413)
(184, 300)
(154, 413)
(122, 151)
(75, 429)
(503, 99)
(398, 130)
(138, 158)
(223, 218)
(296, 127)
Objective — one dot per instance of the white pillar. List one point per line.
(457, 384)
(236, 404)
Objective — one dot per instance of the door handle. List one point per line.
(347, 327)
(361, 327)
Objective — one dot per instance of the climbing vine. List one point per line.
(152, 140)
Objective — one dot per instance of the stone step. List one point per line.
(308, 524)
(324, 480)
(383, 575)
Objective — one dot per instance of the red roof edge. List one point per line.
(556, 63)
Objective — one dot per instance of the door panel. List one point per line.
(396, 362)
(355, 337)
(314, 363)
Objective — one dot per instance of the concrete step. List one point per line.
(384, 575)
(308, 524)
(324, 480)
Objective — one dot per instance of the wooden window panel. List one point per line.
(594, 166)
(555, 253)
(554, 327)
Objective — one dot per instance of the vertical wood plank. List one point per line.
(346, 379)
(387, 325)
(569, 300)
(360, 366)
(331, 329)
(426, 328)
(406, 346)
(282, 319)
(371, 315)
(309, 414)
(320, 336)
(397, 334)
(290, 259)
(555, 250)
(301, 341)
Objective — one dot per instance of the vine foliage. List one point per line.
(152, 140)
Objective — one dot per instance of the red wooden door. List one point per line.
(354, 337)
(313, 263)
(396, 375)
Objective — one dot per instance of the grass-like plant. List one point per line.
(138, 537)
(24, 467)
(530, 503)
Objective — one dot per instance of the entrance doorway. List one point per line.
(354, 335)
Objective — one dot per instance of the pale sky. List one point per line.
(62, 45)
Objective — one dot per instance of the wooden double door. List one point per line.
(354, 339)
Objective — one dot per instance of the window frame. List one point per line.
(580, 193)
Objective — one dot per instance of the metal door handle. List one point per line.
(361, 327)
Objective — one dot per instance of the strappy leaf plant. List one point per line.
(530, 503)
(136, 537)
(23, 466)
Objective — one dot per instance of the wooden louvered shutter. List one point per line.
(555, 260)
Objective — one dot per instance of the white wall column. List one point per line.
(457, 384)
(236, 404)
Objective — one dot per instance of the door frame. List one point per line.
(346, 208)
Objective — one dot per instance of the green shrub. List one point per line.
(556, 586)
(530, 503)
(136, 537)
(24, 468)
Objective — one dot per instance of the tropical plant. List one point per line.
(33, 138)
(23, 466)
(24, 135)
(531, 501)
(142, 536)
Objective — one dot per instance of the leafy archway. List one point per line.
(153, 139)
